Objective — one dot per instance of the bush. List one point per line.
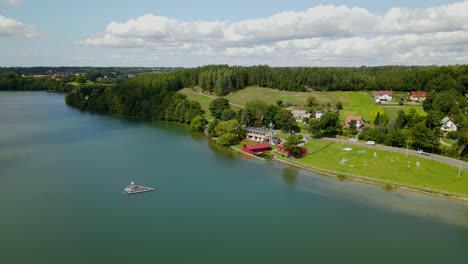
(388, 187)
(198, 123)
(227, 140)
(341, 177)
(452, 135)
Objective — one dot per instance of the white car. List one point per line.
(371, 143)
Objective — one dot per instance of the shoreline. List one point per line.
(375, 182)
(361, 179)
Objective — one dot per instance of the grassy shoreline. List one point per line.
(373, 181)
(323, 155)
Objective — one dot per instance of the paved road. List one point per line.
(443, 159)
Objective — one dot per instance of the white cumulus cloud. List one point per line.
(12, 28)
(321, 35)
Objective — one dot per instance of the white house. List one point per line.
(417, 96)
(319, 115)
(259, 134)
(300, 114)
(358, 119)
(447, 125)
(383, 96)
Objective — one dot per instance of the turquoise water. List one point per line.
(62, 172)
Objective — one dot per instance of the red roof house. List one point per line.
(281, 149)
(256, 149)
(418, 96)
(358, 119)
(385, 95)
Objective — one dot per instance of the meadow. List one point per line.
(385, 166)
(354, 103)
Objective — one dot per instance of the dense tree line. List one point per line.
(15, 82)
(222, 79)
(151, 98)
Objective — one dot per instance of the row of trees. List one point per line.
(15, 82)
(223, 79)
(149, 96)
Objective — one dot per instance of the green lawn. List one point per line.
(388, 166)
(392, 111)
(354, 103)
(204, 101)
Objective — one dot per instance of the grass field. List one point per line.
(204, 101)
(354, 103)
(392, 111)
(387, 166)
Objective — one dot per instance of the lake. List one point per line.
(62, 173)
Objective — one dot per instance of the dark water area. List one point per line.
(62, 172)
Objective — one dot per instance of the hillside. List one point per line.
(355, 103)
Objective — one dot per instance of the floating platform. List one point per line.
(133, 189)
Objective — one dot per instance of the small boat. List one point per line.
(133, 188)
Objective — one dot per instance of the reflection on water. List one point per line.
(223, 153)
(290, 175)
(410, 203)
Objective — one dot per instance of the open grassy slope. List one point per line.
(354, 103)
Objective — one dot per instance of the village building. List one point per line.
(447, 125)
(319, 115)
(384, 96)
(256, 149)
(358, 119)
(302, 152)
(259, 134)
(417, 96)
(300, 114)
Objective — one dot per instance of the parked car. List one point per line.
(423, 153)
(370, 143)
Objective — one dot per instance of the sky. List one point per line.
(243, 32)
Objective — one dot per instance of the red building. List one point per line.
(302, 153)
(256, 149)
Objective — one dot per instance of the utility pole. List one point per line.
(459, 169)
(407, 145)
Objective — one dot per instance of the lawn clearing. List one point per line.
(387, 166)
(392, 111)
(204, 100)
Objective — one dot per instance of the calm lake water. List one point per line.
(62, 172)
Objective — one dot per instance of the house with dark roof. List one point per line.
(447, 125)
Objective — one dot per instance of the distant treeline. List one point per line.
(102, 70)
(15, 82)
(222, 80)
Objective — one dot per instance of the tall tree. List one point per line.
(217, 106)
